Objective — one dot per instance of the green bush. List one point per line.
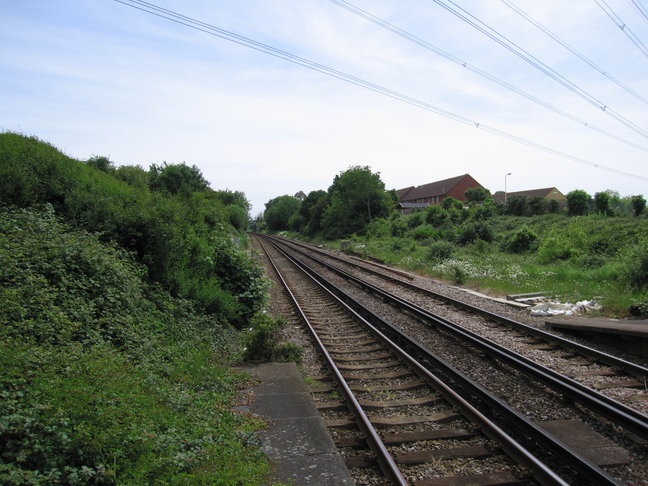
(424, 232)
(459, 275)
(435, 215)
(555, 248)
(104, 377)
(261, 341)
(440, 250)
(522, 240)
(640, 308)
(635, 267)
(398, 228)
(475, 230)
(378, 228)
(289, 352)
(177, 231)
(415, 219)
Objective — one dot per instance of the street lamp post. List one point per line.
(505, 176)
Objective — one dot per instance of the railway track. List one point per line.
(403, 405)
(613, 380)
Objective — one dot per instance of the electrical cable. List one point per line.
(622, 25)
(536, 63)
(450, 57)
(252, 44)
(640, 8)
(589, 62)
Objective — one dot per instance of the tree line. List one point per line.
(357, 197)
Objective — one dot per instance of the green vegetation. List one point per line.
(120, 294)
(589, 248)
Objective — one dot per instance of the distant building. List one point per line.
(548, 194)
(435, 192)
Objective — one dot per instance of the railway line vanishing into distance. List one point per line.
(419, 388)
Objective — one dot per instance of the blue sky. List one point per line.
(101, 78)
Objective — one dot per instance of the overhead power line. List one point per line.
(589, 62)
(535, 62)
(640, 8)
(622, 25)
(452, 58)
(279, 53)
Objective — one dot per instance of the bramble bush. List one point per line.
(106, 378)
(179, 228)
(522, 240)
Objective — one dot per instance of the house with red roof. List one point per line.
(435, 192)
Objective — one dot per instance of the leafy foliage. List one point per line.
(477, 195)
(440, 250)
(635, 271)
(638, 205)
(181, 231)
(602, 203)
(357, 196)
(522, 240)
(517, 205)
(261, 341)
(279, 211)
(176, 178)
(578, 203)
(104, 377)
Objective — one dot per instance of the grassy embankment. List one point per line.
(573, 258)
(119, 310)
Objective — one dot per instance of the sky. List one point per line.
(99, 77)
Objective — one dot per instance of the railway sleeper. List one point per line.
(440, 417)
(488, 479)
(396, 387)
(388, 364)
(419, 457)
(406, 402)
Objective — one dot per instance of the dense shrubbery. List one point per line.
(598, 254)
(105, 378)
(119, 290)
(176, 226)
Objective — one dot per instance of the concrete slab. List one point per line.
(636, 328)
(297, 441)
(631, 335)
(587, 442)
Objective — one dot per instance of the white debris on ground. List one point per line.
(567, 309)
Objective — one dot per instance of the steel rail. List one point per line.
(383, 457)
(633, 368)
(522, 456)
(619, 413)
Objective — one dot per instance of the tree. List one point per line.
(537, 205)
(102, 163)
(578, 203)
(602, 203)
(174, 178)
(278, 212)
(477, 195)
(133, 175)
(517, 205)
(357, 196)
(235, 198)
(312, 210)
(638, 205)
(553, 207)
(451, 202)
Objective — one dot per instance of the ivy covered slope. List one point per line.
(120, 292)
